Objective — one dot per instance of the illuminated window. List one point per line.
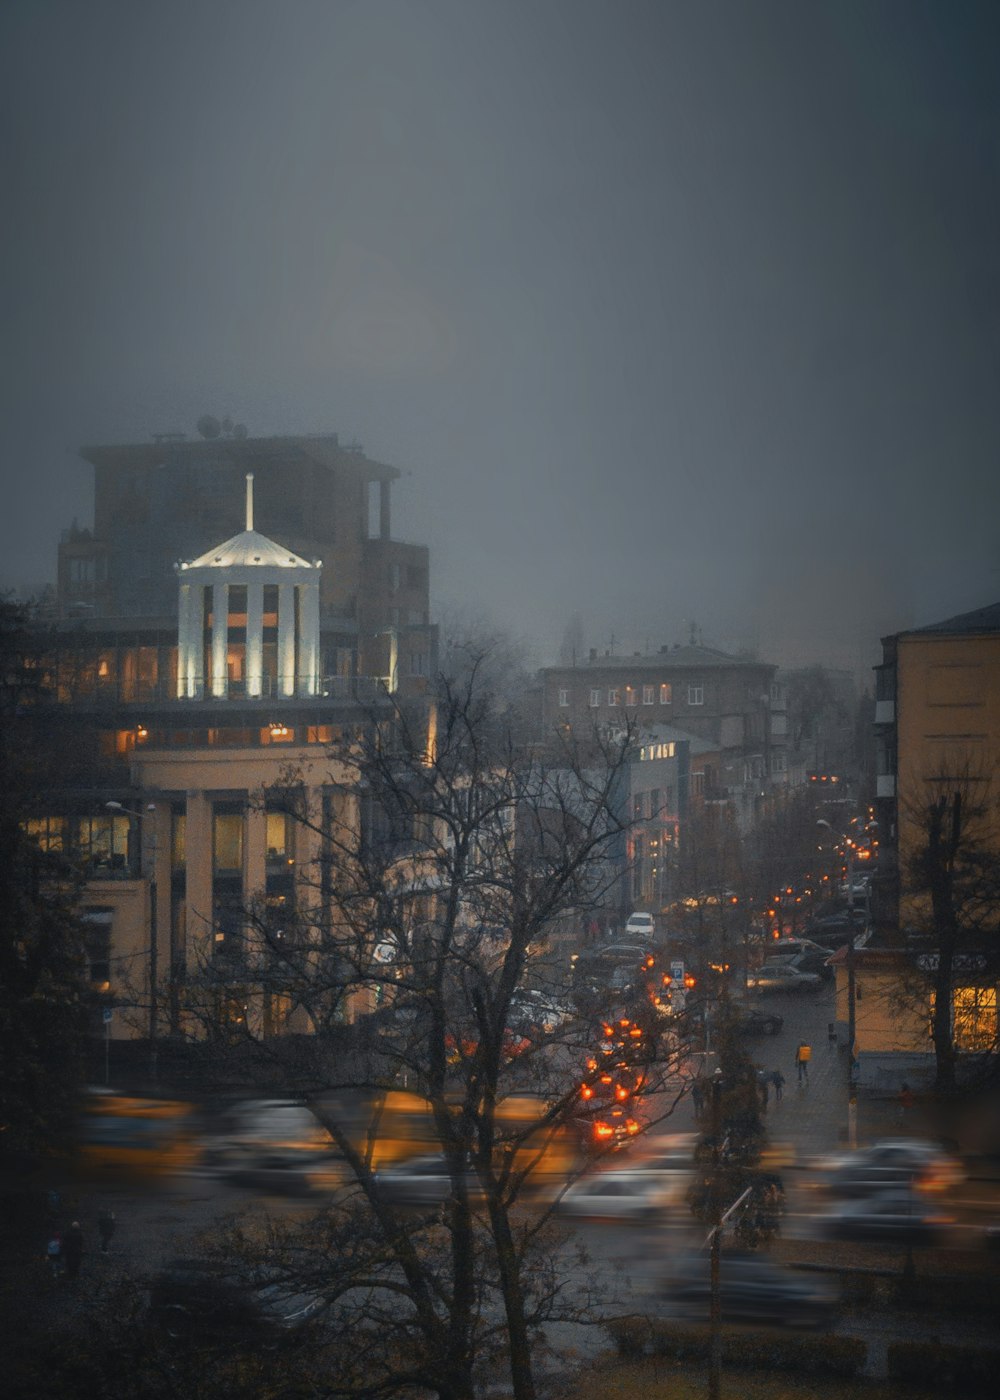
(178, 842)
(227, 841)
(648, 694)
(696, 695)
(975, 1018)
(277, 835)
(630, 695)
(666, 693)
(49, 833)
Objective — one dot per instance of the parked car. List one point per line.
(536, 1010)
(751, 1021)
(782, 978)
(803, 962)
(893, 1213)
(751, 1289)
(640, 926)
(893, 1162)
(204, 1300)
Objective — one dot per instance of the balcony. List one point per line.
(885, 712)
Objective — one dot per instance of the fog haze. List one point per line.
(670, 314)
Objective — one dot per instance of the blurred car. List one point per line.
(640, 925)
(286, 1173)
(751, 1289)
(752, 1021)
(620, 1195)
(538, 1011)
(892, 1162)
(833, 929)
(893, 1213)
(423, 1181)
(205, 1300)
(782, 978)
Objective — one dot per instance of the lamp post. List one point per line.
(715, 1304)
(852, 1092)
(153, 939)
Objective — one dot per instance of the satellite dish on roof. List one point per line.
(208, 426)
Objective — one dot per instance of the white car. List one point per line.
(641, 925)
(783, 978)
(623, 1194)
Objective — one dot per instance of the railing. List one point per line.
(95, 692)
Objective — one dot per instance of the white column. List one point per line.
(198, 883)
(220, 638)
(255, 638)
(308, 678)
(286, 639)
(184, 691)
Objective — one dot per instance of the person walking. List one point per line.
(697, 1097)
(763, 1085)
(73, 1249)
(778, 1080)
(802, 1057)
(54, 1253)
(106, 1225)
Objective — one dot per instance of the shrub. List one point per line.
(939, 1365)
(767, 1349)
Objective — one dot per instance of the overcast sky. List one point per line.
(668, 312)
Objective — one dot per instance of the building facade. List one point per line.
(937, 730)
(731, 704)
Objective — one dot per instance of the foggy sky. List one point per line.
(669, 312)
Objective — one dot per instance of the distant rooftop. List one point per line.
(693, 656)
(979, 620)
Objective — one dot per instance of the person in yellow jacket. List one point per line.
(802, 1057)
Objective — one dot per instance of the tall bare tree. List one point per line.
(449, 854)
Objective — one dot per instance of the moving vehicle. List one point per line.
(138, 1136)
(892, 1213)
(752, 1289)
(423, 1181)
(893, 1162)
(623, 1194)
(782, 978)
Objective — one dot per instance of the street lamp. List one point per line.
(153, 940)
(852, 1092)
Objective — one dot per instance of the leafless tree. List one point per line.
(449, 854)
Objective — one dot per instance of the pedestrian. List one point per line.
(54, 1253)
(802, 1057)
(905, 1100)
(73, 1249)
(778, 1080)
(763, 1084)
(697, 1096)
(106, 1225)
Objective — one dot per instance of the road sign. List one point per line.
(106, 1015)
(677, 969)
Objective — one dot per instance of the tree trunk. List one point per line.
(521, 1375)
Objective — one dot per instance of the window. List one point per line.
(666, 693)
(97, 938)
(418, 663)
(696, 695)
(975, 1018)
(228, 841)
(779, 763)
(614, 696)
(564, 698)
(647, 694)
(630, 695)
(595, 699)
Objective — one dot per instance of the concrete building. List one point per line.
(733, 704)
(937, 727)
(199, 782)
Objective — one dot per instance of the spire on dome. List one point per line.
(249, 500)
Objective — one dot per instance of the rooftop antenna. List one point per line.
(249, 500)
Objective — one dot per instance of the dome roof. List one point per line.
(250, 549)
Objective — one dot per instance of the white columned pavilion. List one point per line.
(254, 563)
